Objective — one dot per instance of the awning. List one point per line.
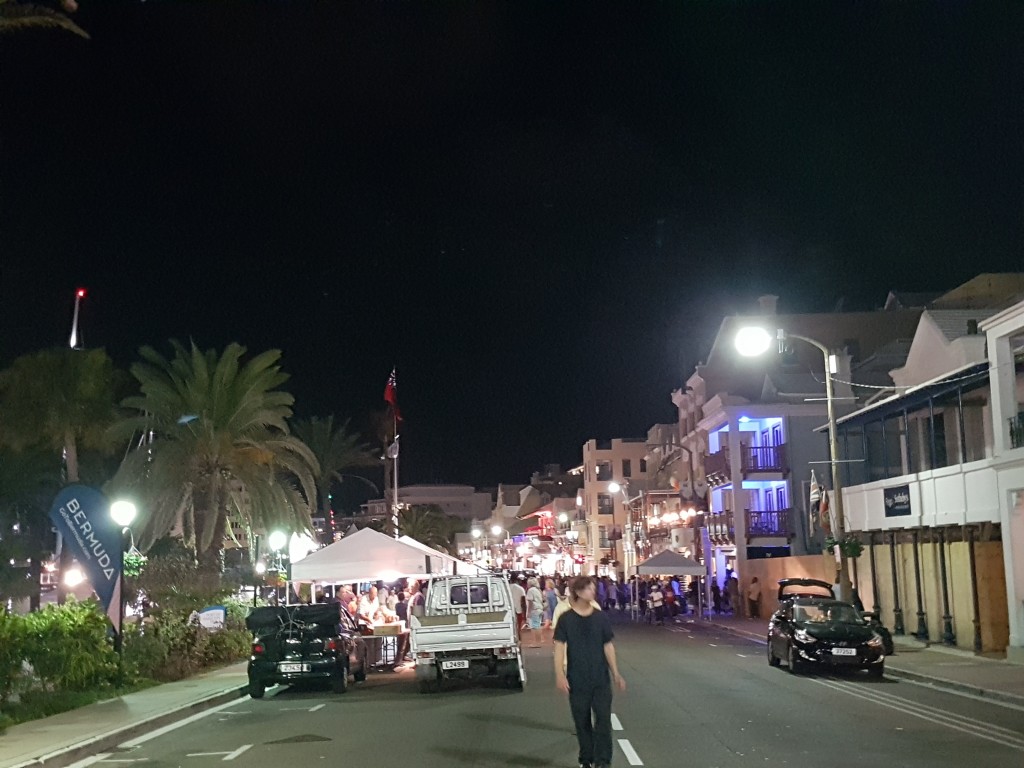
(367, 556)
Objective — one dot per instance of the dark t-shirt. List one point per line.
(585, 638)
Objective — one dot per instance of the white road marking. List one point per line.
(629, 752)
(955, 722)
(318, 706)
(206, 754)
(237, 752)
(712, 645)
(90, 760)
(961, 694)
(124, 760)
(616, 725)
(174, 726)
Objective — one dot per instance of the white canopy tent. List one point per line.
(368, 556)
(665, 563)
(669, 563)
(452, 565)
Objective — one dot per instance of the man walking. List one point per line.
(584, 634)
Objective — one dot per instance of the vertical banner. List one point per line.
(82, 516)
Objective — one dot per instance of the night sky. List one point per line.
(539, 212)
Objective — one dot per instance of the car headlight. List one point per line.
(876, 641)
(802, 636)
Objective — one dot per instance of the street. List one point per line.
(696, 696)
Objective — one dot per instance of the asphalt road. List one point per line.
(696, 697)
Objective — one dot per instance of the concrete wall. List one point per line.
(771, 570)
(991, 590)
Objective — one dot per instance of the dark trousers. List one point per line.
(592, 712)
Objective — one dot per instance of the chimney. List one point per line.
(768, 304)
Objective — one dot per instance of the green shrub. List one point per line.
(12, 651)
(145, 653)
(226, 646)
(68, 646)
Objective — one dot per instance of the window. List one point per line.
(478, 593)
(776, 434)
(605, 504)
(780, 498)
(627, 468)
(602, 537)
(766, 438)
(604, 470)
(643, 466)
(769, 500)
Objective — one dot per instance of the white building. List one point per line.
(936, 486)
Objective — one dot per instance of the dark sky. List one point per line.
(538, 211)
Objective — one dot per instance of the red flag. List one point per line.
(391, 395)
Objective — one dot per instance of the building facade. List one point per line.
(462, 501)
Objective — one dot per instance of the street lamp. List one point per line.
(123, 514)
(277, 541)
(754, 341)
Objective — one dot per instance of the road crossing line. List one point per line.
(616, 725)
(629, 752)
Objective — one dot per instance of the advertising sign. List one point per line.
(82, 517)
(897, 501)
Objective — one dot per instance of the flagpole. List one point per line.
(394, 477)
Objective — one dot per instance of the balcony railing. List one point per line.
(716, 468)
(1017, 431)
(721, 527)
(768, 523)
(764, 458)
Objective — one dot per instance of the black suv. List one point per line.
(304, 643)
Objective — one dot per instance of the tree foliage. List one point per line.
(337, 448)
(18, 16)
(430, 525)
(213, 446)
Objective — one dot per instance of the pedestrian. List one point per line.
(754, 598)
(550, 603)
(716, 596)
(658, 603)
(535, 611)
(733, 588)
(585, 668)
(519, 603)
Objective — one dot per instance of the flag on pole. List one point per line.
(391, 395)
(825, 514)
(392, 451)
(814, 507)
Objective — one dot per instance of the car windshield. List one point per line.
(824, 614)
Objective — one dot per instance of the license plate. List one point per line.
(292, 667)
(460, 664)
(844, 651)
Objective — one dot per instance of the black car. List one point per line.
(304, 643)
(819, 631)
(793, 588)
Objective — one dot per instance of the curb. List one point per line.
(939, 683)
(105, 741)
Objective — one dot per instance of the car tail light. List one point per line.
(331, 645)
(258, 649)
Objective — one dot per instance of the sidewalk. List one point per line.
(936, 665)
(67, 737)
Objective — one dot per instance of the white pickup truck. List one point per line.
(466, 630)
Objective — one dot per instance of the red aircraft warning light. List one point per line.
(80, 293)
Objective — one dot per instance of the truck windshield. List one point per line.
(477, 593)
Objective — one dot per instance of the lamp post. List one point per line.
(123, 514)
(754, 341)
(277, 541)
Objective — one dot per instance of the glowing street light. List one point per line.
(753, 341)
(563, 518)
(496, 530)
(74, 577)
(476, 533)
(123, 514)
(277, 540)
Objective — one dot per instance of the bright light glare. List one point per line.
(753, 341)
(496, 530)
(579, 500)
(123, 513)
(261, 567)
(476, 533)
(74, 577)
(277, 540)
(80, 293)
(563, 518)
(614, 487)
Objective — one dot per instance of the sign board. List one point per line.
(82, 517)
(213, 618)
(897, 501)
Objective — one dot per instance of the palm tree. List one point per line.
(217, 448)
(336, 449)
(428, 524)
(61, 399)
(16, 16)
